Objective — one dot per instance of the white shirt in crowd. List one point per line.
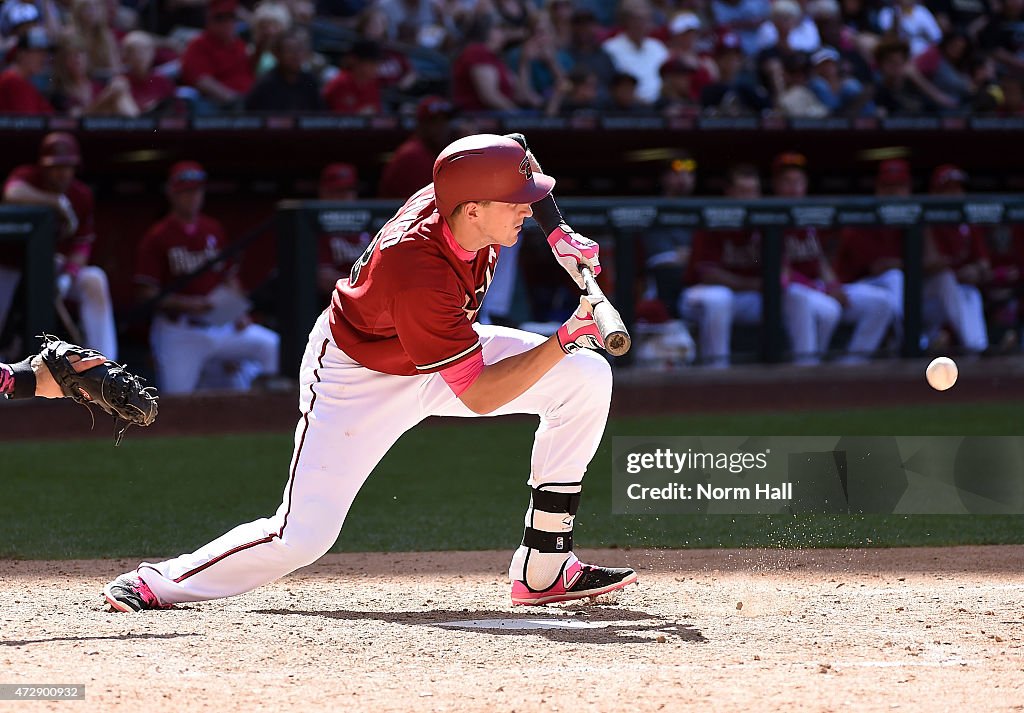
(802, 38)
(643, 63)
(918, 27)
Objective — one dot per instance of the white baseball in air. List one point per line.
(941, 373)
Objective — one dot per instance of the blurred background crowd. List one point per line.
(792, 58)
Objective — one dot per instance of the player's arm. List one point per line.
(501, 382)
(569, 247)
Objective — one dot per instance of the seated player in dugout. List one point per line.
(338, 249)
(398, 344)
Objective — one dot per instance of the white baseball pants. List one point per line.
(870, 309)
(946, 300)
(351, 416)
(809, 316)
(181, 350)
(96, 310)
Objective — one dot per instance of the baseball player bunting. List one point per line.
(398, 345)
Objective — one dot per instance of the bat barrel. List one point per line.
(609, 322)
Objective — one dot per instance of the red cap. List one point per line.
(486, 167)
(790, 159)
(946, 174)
(893, 172)
(433, 106)
(338, 176)
(186, 176)
(59, 149)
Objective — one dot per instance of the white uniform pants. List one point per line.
(810, 318)
(351, 416)
(870, 309)
(182, 350)
(945, 300)
(96, 310)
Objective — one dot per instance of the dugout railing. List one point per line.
(619, 222)
(29, 231)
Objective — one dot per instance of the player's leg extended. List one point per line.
(350, 418)
(179, 351)
(712, 307)
(92, 291)
(572, 401)
(870, 310)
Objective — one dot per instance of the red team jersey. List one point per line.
(19, 96)
(409, 305)
(961, 244)
(802, 252)
(227, 63)
(860, 248)
(341, 250)
(171, 249)
(81, 201)
(738, 251)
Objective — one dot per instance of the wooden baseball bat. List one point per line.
(609, 321)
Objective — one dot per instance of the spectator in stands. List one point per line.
(967, 16)
(200, 325)
(356, 89)
(217, 62)
(339, 249)
(683, 37)
(815, 299)
(412, 165)
(956, 266)
(423, 22)
(481, 81)
(677, 79)
(1004, 306)
(1002, 34)
(516, 17)
(912, 22)
(578, 94)
(874, 256)
(835, 34)
(76, 93)
(742, 17)
(795, 98)
(52, 183)
(623, 97)
(735, 93)
(788, 29)
(152, 92)
(842, 95)
(560, 15)
(541, 64)
(724, 277)
(287, 87)
(396, 73)
(269, 21)
(90, 22)
(585, 50)
(947, 67)
(1011, 93)
(899, 91)
(634, 52)
(18, 95)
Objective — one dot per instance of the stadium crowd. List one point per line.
(791, 58)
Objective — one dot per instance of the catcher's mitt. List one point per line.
(115, 389)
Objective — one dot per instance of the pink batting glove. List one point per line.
(580, 330)
(572, 250)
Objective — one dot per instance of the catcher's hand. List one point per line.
(115, 389)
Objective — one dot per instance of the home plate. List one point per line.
(522, 624)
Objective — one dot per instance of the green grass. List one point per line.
(456, 486)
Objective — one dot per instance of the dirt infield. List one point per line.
(865, 630)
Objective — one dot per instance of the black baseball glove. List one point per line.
(115, 389)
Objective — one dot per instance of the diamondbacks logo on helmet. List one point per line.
(525, 168)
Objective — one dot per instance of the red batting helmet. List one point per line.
(59, 149)
(486, 167)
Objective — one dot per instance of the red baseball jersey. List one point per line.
(410, 301)
(962, 244)
(340, 250)
(81, 200)
(347, 95)
(19, 96)
(171, 249)
(227, 63)
(802, 252)
(860, 248)
(738, 251)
